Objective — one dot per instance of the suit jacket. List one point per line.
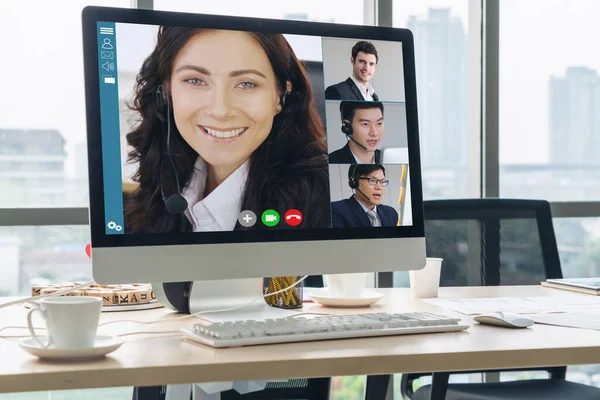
(344, 156)
(348, 213)
(346, 90)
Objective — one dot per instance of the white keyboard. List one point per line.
(322, 327)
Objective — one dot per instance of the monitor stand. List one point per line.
(224, 294)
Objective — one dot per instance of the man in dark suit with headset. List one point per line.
(364, 208)
(362, 123)
(364, 61)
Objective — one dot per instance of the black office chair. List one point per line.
(293, 389)
(493, 242)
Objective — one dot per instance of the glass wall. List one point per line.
(441, 29)
(355, 12)
(549, 100)
(43, 154)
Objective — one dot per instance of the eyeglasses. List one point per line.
(373, 181)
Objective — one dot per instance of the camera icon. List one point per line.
(270, 218)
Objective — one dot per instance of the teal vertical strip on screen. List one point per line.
(109, 115)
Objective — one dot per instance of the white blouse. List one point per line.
(220, 209)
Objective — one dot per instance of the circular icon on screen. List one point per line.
(293, 217)
(270, 218)
(247, 218)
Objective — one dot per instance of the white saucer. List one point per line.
(323, 297)
(103, 346)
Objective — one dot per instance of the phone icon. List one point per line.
(293, 217)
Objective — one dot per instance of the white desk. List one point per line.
(147, 360)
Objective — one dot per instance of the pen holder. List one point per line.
(291, 298)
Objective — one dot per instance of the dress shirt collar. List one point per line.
(365, 207)
(356, 158)
(220, 209)
(367, 92)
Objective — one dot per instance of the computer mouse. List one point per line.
(507, 320)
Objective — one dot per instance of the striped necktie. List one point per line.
(374, 218)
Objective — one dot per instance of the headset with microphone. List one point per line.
(175, 203)
(353, 181)
(347, 126)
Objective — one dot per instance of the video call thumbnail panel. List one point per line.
(366, 132)
(352, 193)
(379, 65)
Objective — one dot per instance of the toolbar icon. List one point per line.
(293, 217)
(112, 225)
(109, 79)
(107, 55)
(106, 30)
(270, 218)
(247, 218)
(109, 66)
(106, 44)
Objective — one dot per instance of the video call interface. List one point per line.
(221, 130)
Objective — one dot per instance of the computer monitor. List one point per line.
(228, 148)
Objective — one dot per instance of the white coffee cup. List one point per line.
(424, 283)
(347, 286)
(71, 322)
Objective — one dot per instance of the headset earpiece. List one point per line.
(347, 128)
(161, 102)
(346, 125)
(161, 96)
(286, 92)
(282, 100)
(352, 181)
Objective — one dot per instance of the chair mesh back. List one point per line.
(489, 244)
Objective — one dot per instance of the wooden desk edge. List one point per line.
(155, 376)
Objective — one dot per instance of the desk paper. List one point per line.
(520, 305)
(572, 320)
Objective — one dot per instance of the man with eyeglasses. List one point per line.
(364, 208)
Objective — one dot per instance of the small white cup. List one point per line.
(424, 283)
(347, 286)
(71, 322)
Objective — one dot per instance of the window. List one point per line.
(549, 100)
(356, 12)
(441, 31)
(40, 255)
(549, 113)
(578, 241)
(120, 393)
(43, 157)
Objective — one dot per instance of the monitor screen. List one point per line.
(213, 130)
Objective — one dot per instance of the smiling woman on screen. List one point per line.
(228, 122)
